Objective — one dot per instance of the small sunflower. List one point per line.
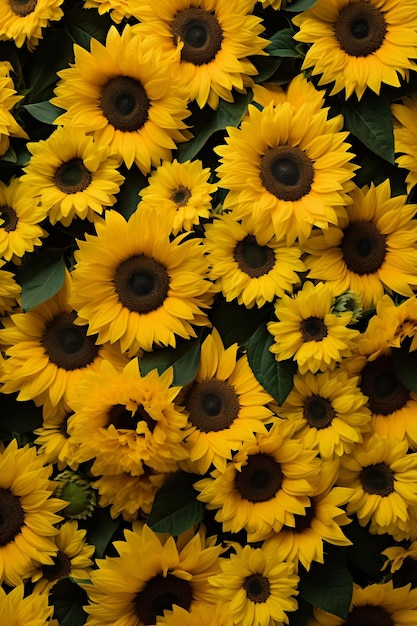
(147, 290)
(208, 43)
(397, 555)
(180, 189)
(288, 167)
(10, 290)
(119, 9)
(264, 486)
(72, 176)
(359, 43)
(405, 137)
(309, 332)
(256, 587)
(372, 249)
(125, 95)
(23, 21)
(249, 264)
(8, 98)
(52, 438)
(297, 92)
(27, 513)
(17, 610)
(152, 574)
(200, 615)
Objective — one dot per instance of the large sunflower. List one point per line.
(359, 43)
(17, 610)
(288, 167)
(249, 264)
(152, 574)
(133, 283)
(125, 95)
(256, 586)
(208, 43)
(8, 98)
(23, 21)
(371, 249)
(27, 513)
(405, 137)
(72, 176)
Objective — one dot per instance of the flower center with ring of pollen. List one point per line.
(253, 259)
(9, 217)
(181, 196)
(360, 29)
(363, 247)
(67, 345)
(141, 284)
(124, 103)
(60, 569)
(313, 329)
(260, 479)
(257, 588)
(122, 419)
(21, 8)
(201, 34)
(318, 412)
(286, 172)
(12, 516)
(160, 594)
(72, 176)
(369, 615)
(377, 479)
(212, 404)
(384, 389)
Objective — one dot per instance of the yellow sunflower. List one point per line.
(208, 43)
(55, 444)
(27, 513)
(256, 586)
(200, 615)
(249, 264)
(125, 95)
(23, 21)
(10, 291)
(17, 610)
(8, 98)
(298, 91)
(134, 284)
(374, 605)
(359, 43)
(397, 556)
(180, 189)
(71, 176)
(405, 137)
(152, 574)
(372, 249)
(288, 167)
(119, 9)
(264, 486)
(309, 332)
(72, 559)
(124, 420)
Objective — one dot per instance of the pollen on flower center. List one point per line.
(9, 217)
(21, 8)
(124, 103)
(68, 345)
(213, 405)
(60, 568)
(313, 329)
(201, 34)
(160, 594)
(368, 615)
(318, 412)
(121, 418)
(286, 172)
(72, 176)
(377, 479)
(260, 479)
(12, 516)
(360, 29)
(253, 259)
(257, 588)
(141, 283)
(364, 248)
(384, 389)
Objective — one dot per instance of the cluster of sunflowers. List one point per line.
(208, 367)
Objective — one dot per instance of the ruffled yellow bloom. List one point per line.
(119, 9)
(8, 98)
(405, 137)
(10, 291)
(297, 92)
(17, 610)
(24, 21)
(53, 440)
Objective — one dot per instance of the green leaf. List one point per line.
(18, 416)
(68, 599)
(101, 528)
(299, 5)
(236, 323)
(365, 551)
(405, 364)
(370, 120)
(266, 66)
(42, 278)
(43, 111)
(185, 360)
(83, 25)
(175, 507)
(282, 44)
(128, 196)
(275, 376)
(329, 586)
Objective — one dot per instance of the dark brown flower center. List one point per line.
(67, 345)
(9, 217)
(377, 479)
(60, 568)
(257, 588)
(368, 615)
(201, 33)
(122, 419)
(364, 248)
(72, 176)
(213, 405)
(313, 329)
(287, 172)
(302, 522)
(380, 383)
(253, 259)
(360, 29)
(21, 8)
(124, 103)
(160, 594)
(260, 479)
(181, 196)
(141, 283)
(318, 412)
(12, 516)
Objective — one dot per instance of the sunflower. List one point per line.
(208, 43)
(297, 92)
(180, 189)
(119, 9)
(8, 98)
(397, 555)
(200, 615)
(309, 332)
(47, 352)
(17, 610)
(20, 219)
(372, 249)
(144, 291)
(374, 605)
(55, 444)
(124, 420)
(256, 587)
(152, 574)
(405, 137)
(225, 406)
(125, 95)
(249, 264)
(288, 167)
(72, 176)
(359, 43)
(10, 291)
(264, 486)
(72, 559)
(23, 21)
(27, 513)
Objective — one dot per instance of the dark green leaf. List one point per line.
(275, 376)
(43, 111)
(101, 528)
(128, 196)
(300, 5)
(68, 599)
(42, 278)
(282, 44)
(236, 323)
(365, 552)
(266, 66)
(175, 507)
(185, 360)
(405, 364)
(83, 25)
(18, 416)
